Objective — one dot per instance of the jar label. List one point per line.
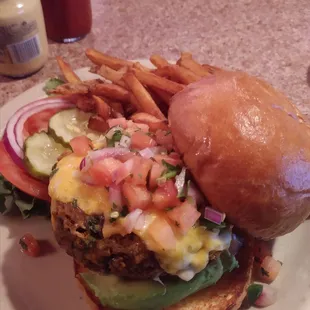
(19, 42)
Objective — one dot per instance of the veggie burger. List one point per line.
(162, 214)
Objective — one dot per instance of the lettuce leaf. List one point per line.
(13, 201)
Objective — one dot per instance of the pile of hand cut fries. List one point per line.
(130, 87)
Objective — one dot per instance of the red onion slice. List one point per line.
(150, 152)
(214, 216)
(13, 137)
(115, 196)
(19, 127)
(180, 181)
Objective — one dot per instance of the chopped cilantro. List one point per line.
(112, 220)
(52, 84)
(210, 225)
(168, 133)
(114, 207)
(75, 203)
(264, 272)
(115, 138)
(54, 171)
(169, 209)
(254, 291)
(170, 172)
(124, 211)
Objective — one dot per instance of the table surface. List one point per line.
(267, 38)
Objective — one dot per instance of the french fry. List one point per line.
(158, 61)
(111, 91)
(153, 80)
(71, 89)
(100, 58)
(144, 99)
(163, 95)
(102, 108)
(179, 74)
(112, 75)
(189, 63)
(67, 71)
(117, 109)
(212, 69)
(139, 66)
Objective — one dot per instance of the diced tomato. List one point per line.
(269, 269)
(164, 138)
(175, 155)
(124, 158)
(20, 178)
(29, 245)
(140, 141)
(101, 172)
(141, 168)
(143, 127)
(102, 108)
(80, 145)
(156, 172)
(121, 121)
(165, 196)
(123, 171)
(167, 158)
(97, 123)
(138, 196)
(162, 233)
(153, 122)
(184, 216)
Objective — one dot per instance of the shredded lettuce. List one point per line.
(13, 201)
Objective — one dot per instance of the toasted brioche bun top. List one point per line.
(248, 148)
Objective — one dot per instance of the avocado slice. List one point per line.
(146, 295)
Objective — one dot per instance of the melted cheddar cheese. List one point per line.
(191, 254)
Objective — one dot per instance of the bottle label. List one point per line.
(19, 42)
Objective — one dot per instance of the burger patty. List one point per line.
(81, 236)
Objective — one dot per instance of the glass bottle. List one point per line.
(67, 20)
(23, 41)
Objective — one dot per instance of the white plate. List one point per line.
(48, 283)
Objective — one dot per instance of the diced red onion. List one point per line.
(111, 132)
(98, 155)
(235, 244)
(213, 216)
(180, 181)
(131, 219)
(140, 222)
(125, 141)
(150, 152)
(13, 137)
(115, 196)
(267, 298)
(194, 192)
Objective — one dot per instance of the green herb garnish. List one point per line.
(254, 291)
(51, 84)
(264, 272)
(115, 138)
(211, 226)
(168, 133)
(169, 209)
(170, 172)
(75, 203)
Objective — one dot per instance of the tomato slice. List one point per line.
(38, 121)
(20, 177)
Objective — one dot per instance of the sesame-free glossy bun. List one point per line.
(248, 148)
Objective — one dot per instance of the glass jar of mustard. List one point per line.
(23, 41)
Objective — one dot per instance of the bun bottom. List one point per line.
(228, 293)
